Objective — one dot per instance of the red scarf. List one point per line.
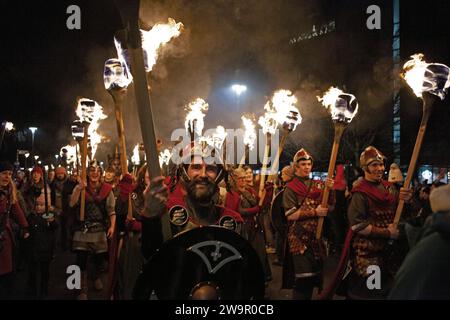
(372, 191)
(301, 189)
(92, 195)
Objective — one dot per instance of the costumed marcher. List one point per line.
(98, 225)
(243, 199)
(197, 267)
(278, 217)
(371, 216)
(191, 203)
(42, 228)
(424, 273)
(301, 202)
(56, 187)
(9, 209)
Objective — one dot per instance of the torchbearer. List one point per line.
(97, 225)
(343, 108)
(301, 201)
(371, 216)
(428, 81)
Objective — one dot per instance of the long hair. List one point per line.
(11, 192)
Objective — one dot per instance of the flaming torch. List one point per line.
(428, 81)
(116, 81)
(280, 109)
(71, 154)
(343, 108)
(86, 113)
(90, 113)
(289, 116)
(194, 119)
(152, 41)
(249, 136)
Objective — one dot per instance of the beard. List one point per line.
(201, 190)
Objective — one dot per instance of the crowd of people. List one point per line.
(116, 222)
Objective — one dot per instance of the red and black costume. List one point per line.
(179, 216)
(373, 203)
(302, 268)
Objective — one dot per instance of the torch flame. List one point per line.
(71, 154)
(342, 106)
(414, 73)
(135, 159)
(164, 157)
(249, 133)
(426, 77)
(91, 112)
(280, 109)
(217, 139)
(9, 126)
(158, 36)
(194, 118)
(152, 40)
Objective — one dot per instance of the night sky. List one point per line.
(48, 66)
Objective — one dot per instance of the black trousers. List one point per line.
(6, 286)
(38, 276)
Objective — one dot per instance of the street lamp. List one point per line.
(238, 90)
(33, 130)
(56, 158)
